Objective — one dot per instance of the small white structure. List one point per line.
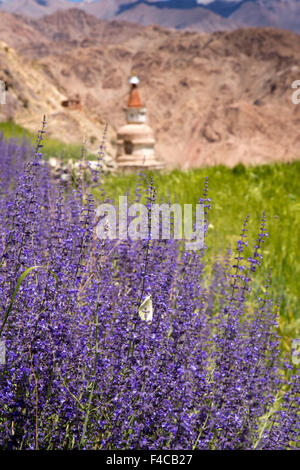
(135, 140)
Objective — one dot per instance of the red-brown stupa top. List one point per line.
(134, 96)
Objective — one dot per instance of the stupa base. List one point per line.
(130, 164)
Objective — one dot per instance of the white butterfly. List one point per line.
(146, 309)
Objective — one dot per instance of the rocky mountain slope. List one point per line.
(223, 97)
(32, 91)
(198, 15)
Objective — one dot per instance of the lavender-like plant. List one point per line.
(87, 367)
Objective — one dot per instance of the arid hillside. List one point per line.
(223, 97)
(33, 92)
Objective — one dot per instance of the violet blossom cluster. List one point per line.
(84, 371)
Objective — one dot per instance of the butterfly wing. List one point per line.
(146, 310)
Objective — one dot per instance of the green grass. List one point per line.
(235, 193)
(51, 147)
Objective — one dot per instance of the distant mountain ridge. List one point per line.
(197, 15)
(34, 8)
(221, 7)
(218, 98)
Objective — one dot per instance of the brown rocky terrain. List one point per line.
(32, 92)
(223, 97)
(75, 28)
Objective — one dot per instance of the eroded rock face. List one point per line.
(213, 98)
(32, 91)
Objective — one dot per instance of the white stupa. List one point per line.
(135, 140)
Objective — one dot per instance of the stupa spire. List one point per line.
(134, 100)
